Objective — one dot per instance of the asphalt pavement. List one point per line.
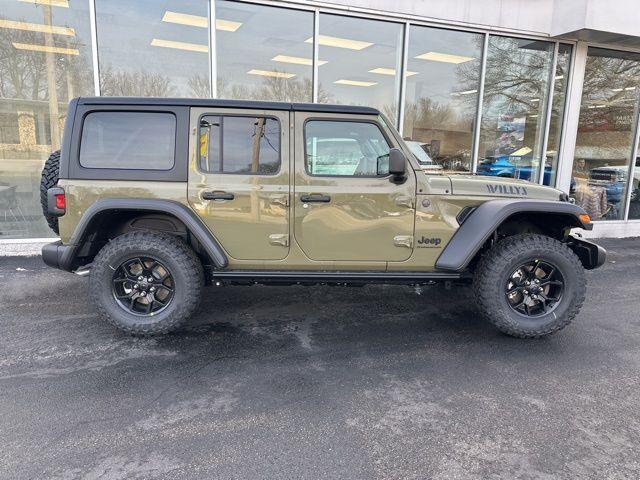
(381, 382)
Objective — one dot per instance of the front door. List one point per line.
(346, 207)
(239, 179)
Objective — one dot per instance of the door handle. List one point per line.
(315, 197)
(217, 196)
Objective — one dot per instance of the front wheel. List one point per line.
(146, 283)
(529, 285)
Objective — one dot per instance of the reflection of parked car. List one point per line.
(425, 161)
(614, 180)
(508, 166)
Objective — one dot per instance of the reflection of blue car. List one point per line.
(506, 166)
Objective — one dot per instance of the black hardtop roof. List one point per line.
(202, 102)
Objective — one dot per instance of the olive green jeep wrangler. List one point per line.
(155, 198)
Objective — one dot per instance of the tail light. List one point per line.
(61, 201)
(56, 201)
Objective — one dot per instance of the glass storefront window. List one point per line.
(262, 53)
(153, 49)
(557, 113)
(45, 60)
(443, 73)
(359, 61)
(514, 106)
(604, 143)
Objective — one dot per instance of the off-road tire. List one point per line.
(181, 261)
(48, 179)
(498, 263)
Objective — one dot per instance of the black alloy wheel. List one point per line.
(535, 288)
(143, 286)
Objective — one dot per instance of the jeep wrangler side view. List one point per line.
(154, 198)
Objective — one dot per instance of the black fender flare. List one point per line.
(66, 254)
(480, 224)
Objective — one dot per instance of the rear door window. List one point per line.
(128, 140)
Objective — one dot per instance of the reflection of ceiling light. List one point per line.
(444, 57)
(37, 27)
(296, 60)
(466, 92)
(271, 73)
(227, 25)
(45, 48)
(535, 100)
(617, 89)
(533, 116)
(52, 3)
(355, 83)
(597, 106)
(199, 21)
(338, 42)
(185, 19)
(191, 47)
(390, 71)
(559, 77)
(630, 88)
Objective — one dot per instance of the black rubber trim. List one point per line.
(313, 276)
(214, 103)
(67, 257)
(591, 255)
(487, 217)
(56, 254)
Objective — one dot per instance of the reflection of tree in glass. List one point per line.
(199, 86)
(271, 89)
(23, 72)
(136, 84)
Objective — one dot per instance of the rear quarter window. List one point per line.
(128, 140)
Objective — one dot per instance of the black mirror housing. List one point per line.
(397, 164)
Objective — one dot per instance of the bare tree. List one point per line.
(138, 84)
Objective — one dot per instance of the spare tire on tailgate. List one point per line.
(49, 179)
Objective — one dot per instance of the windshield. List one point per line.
(417, 150)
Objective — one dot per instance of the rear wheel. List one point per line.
(48, 179)
(146, 283)
(529, 285)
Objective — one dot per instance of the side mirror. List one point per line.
(397, 164)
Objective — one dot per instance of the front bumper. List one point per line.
(591, 255)
(57, 255)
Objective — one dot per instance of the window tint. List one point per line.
(345, 149)
(240, 145)
(128, 140)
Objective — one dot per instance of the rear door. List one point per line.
(239, 179)
(346, 207)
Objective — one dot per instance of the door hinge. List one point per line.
(280, 199)
(404, 201)
(403, 241)
(281, 239)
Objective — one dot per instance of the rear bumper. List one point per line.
(591, 255)
(57, 255)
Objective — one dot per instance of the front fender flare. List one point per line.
(479, 225)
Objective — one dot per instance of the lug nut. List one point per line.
(152, 289)
(526, 292)
(140, 277)
(135, 286)
(150, 279)
(143, 293)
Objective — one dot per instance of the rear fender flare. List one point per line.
(168, 207)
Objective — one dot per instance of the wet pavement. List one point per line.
(318, 382)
